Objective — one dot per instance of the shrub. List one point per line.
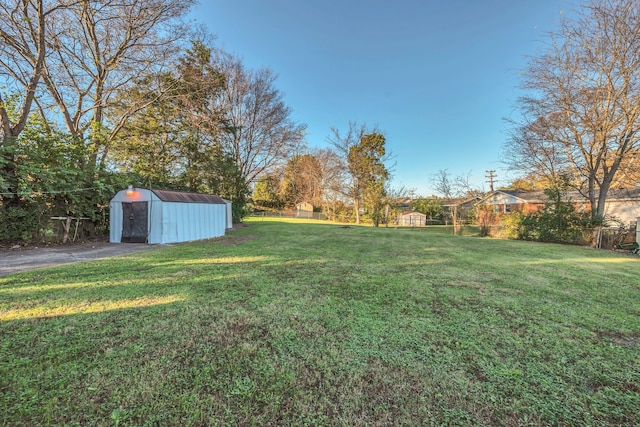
(22, 223)
(557, 222)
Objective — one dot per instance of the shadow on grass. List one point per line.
(313, 325)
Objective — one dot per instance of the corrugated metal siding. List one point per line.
(183, 222)
(115, 222)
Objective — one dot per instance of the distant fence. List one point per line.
(291, 214)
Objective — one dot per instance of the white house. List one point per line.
(165, 216)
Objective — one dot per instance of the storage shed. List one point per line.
(304, 210)
(412, 219)
(165, 216)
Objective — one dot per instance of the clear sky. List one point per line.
(437, 77)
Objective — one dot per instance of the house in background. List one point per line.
(507, 201)
(621, 204)
(140, 215)
(461, 207)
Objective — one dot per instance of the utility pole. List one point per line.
(491, 175)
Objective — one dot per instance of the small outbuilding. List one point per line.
(412, 219)
(304, 210)
(139, 215)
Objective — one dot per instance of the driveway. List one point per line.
(16, 260)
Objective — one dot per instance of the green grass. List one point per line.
(292, 323)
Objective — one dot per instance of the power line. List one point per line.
(491, 175)
(77, 190)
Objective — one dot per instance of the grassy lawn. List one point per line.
(292, 323)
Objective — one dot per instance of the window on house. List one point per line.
(507, 208)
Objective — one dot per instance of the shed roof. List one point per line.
(413, 213)
(187, 197)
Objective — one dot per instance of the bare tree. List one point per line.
(260, 132)
(100, 49)
(393, 201)
(582, 116)
(443, 184)
(331, 178)
(454, 189)
(303, 180)
(24, 46)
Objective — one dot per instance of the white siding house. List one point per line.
(165, 216)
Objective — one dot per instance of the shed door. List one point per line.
(134, 222)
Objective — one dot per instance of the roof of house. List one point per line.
(625, 194)
(459, 201)
(538, 196)
(187, 197)
(535, 196)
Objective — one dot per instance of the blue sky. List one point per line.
(438, 78)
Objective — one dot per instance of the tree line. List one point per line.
(349, 180)
(95, 96)
(576, 127)
(98, 95)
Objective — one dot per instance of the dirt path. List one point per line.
(16, 260)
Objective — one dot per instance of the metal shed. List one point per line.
(165, 216)
(412, 219)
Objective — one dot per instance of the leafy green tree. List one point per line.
(558, 221)
(375, 200)
(365, 162)
(173, 141)
(266, 193)
(431, 207)
(49, 181)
